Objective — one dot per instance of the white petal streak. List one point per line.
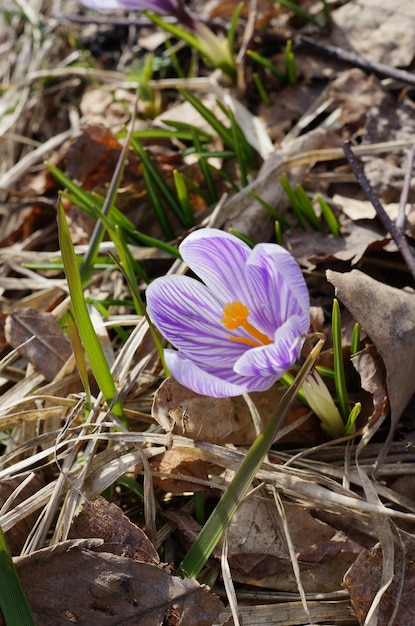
(274, 359)
(217, 383)
(219, 259)
(189, 316)
(277, 287)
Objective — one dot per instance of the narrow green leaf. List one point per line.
(329, 217)
(207, 174)
(286, 185)
(266, 63)
(238, 488)
(13, 602)
(307, 208)
(93, 348)
(80, 359)
(273, 212)
(339, 375)
(158, 185)
(183, 197)
(278, 233)
(263, 94)
(354, 414)
(224, 133)
(293, 6)
(290, 67)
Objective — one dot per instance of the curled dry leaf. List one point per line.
(175, 464)
(373, 380)
(363, 581)
(105, 520)
(215, 420)
(69, 583)
(387, 315)
(39, 338)
(183, 412)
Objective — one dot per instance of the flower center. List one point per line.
(235, 315)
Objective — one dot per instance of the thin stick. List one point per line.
(357, 61)
(395, 232)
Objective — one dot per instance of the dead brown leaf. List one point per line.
(175, 464)
(364, 579)
(39, 338)
(258, 552)
(121, 537)
(69, 583)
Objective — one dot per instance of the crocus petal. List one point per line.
(103, 5)
(276, 287)
(190, 375)
(219, 259)
(189, 315)
(275, 358)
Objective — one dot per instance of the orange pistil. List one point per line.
(235, 315)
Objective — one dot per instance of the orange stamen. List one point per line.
(235, 316)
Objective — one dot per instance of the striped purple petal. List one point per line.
(213, 383)
(241, 329)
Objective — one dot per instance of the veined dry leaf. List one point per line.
(105, 520)
(69, 583)
(39, 338)
(216, 420)
(183, 412)
(387, 315)
(363, 581)
(222, 420)
(258, 554)
(176, 464)
(312, 248)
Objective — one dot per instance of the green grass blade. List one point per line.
(329, 217)
(207, 174)
(263, 94)
(183, 197)
(354, 414)
(275, 214)
(92, 346)
(227, 506)
(13, 602)
(224, 133)
(286, 185)
(79, 359)
(266, 64)
(158, 184)
(304, 202)
(339, 375)
(293, 6)
(290, 67)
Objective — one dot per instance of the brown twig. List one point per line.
(357, 61)
(397, 235)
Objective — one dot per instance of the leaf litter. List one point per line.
(345, 527)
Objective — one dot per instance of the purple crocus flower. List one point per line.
(240, 329)
(163, 7)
